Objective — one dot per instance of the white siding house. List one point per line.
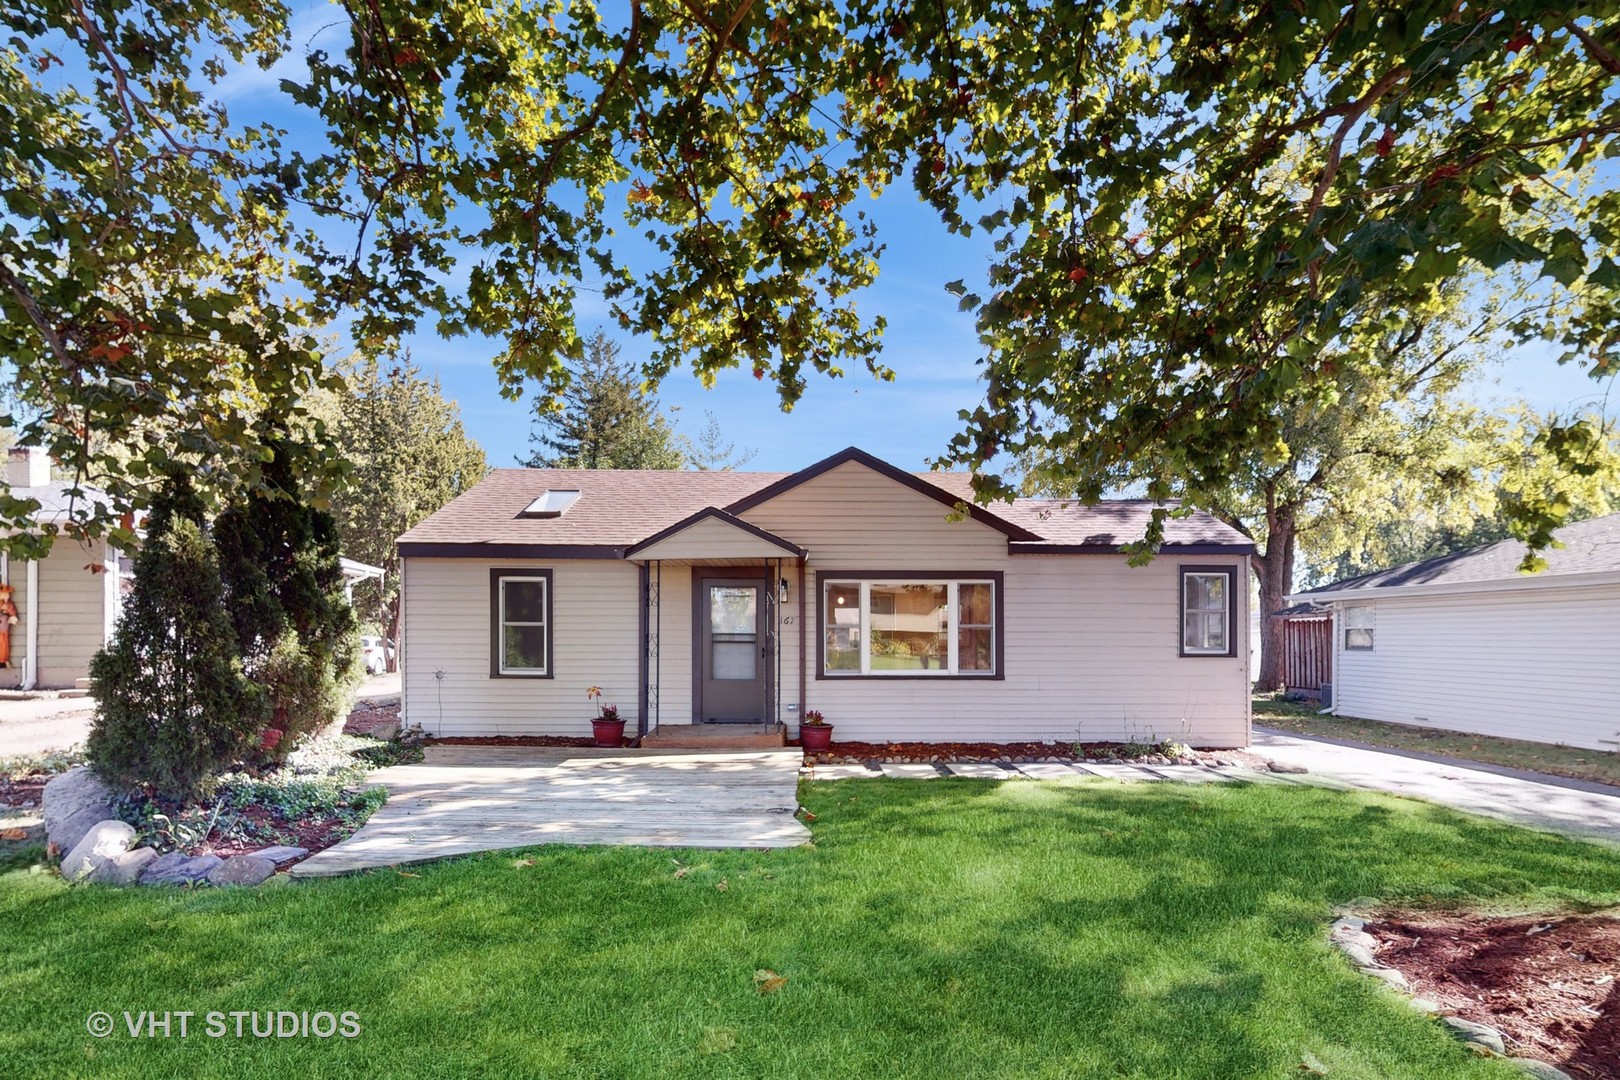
(873, 595)
(1467, 643)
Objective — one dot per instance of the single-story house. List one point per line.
(1466, 642)
(68, 602)
(876, 596)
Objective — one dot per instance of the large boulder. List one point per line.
(72, 804)
(178, 868)
(242, 870)
(122, 869)
(105, 840)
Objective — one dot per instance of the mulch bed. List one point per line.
(513, 740)
(845, 751)
(1550, 984)
(22, 793)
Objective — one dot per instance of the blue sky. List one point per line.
(930, 345)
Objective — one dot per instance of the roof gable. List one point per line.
(713, 533)
(855, 455)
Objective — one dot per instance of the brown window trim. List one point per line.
(495, 576)
(1231, 573)
(996, 577)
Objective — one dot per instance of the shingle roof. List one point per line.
(618, 508)
(1590, 547)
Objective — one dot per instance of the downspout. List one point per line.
(803, 640)
(31, 658)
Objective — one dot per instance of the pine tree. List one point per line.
(173, 707)
(295, 630)
(607, 420)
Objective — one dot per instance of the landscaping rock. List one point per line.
(280, 853)
(1281, 767)
(72, 804)
(1424, 1005)
(1540, 1069)
(1476, 1034)
(177, 868)
(1348, 922)
(122, 869)
(1359, 955)
(1355, 937)
(1389, 975)
(386, 732)
(105, 840)
(242, 870)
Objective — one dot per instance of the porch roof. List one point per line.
(710, 535)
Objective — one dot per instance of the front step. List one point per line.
(716, 737)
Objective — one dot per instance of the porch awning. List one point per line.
(712, 534)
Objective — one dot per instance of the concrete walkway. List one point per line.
(1573, 807)
(463, 799)
(34, 725)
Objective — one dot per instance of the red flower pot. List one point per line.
(607, 732)
(815, 736)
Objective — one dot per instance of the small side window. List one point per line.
(1358, 627)
(1207, 613)
(520, 624)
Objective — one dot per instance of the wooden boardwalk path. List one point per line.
(463, 799)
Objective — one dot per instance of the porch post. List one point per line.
(641, 656)
(804, 639)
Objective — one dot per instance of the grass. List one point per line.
(944, 928)
(1597, 765)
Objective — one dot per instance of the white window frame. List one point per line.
(1365, 623)
(952, 628)
(1229, 590)
(544, 623)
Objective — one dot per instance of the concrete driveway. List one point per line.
(1573, 807)
(35, 725)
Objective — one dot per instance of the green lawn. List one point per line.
(947, 928)
(1599, 765)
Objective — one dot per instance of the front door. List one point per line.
(731, 646)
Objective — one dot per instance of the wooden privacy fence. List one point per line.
(1307, 650)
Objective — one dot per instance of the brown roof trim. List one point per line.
(420, 550)
(883, 468)
(720, 515)
(1043, 548)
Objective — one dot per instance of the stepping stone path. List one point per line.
(980, 770)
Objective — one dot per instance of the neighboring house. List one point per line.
(1468, 643)
(851, 587)
(68, 602)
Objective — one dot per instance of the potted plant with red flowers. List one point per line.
(815, 733)
(607, 726)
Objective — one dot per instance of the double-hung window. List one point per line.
(520, 624)
(1208, 621)
(1358, 627)
(898, 626)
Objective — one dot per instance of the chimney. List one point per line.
(27, 466)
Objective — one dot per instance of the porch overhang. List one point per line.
(712, 536)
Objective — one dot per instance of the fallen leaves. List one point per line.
(13, 834)
(767, 981)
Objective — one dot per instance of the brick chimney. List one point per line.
(27, 466)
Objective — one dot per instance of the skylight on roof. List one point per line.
(550, 504)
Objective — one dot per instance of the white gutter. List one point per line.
(1517, 584)
(31, 658)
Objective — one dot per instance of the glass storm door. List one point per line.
(731, 650)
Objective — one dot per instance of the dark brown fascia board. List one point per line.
(417, 549)
(882, 468)
(1018, 548)
(720, 515)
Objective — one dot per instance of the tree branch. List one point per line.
(1594, 48)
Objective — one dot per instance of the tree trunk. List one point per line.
(1275, 569)
(396, 627)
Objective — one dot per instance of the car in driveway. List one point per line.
(375, 653)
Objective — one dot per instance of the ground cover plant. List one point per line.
(947, 928)
(1305, 718)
